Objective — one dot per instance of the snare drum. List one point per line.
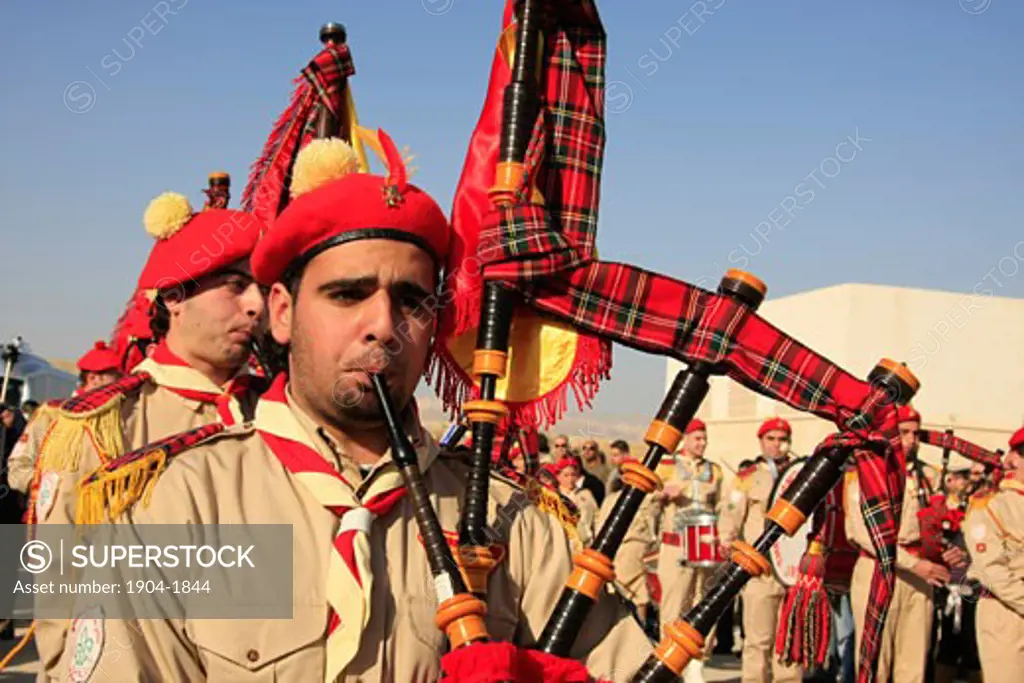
(698, 538)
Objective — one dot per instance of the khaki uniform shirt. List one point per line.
(700, 483)
(994, 531)
(153, 413)
(235, 478)
(21, 465)
(745, 504)
(909, 531)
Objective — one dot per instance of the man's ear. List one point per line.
(280, 309)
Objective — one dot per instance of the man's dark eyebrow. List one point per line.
(348, 283)
(409, 287)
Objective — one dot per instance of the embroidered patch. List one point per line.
(980, 547)
(47, 494)
(86, 637)
(978, 532)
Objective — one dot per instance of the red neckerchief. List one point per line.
(196, 386)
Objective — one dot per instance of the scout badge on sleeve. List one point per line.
(86, 641)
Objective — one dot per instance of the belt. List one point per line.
(669, 538)
(912, 548)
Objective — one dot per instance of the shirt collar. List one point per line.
(328, 447)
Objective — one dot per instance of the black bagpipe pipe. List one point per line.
(490, 359)
(939, 523)
(460, 614)
(684, 639)
(593, 567)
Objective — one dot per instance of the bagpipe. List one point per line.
(530, 314)
(805, 623)
(939, 522)
(525, 215)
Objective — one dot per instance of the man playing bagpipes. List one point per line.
(204, 310)
(994, 531)
(954, 643)
(351, 264)
(745, 503)
(904, 649)
(690, 500)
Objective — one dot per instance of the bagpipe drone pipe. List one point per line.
(804, 625)
(531, 314)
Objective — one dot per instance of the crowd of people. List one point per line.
(932, 635)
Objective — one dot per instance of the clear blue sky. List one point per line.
(714, 121)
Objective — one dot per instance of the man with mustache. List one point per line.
(744, 506)
(904, 653)
(205, 306)
(353, 264)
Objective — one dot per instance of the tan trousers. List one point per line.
(762, 600)
(1000, 642)
(908, 626)
(681, 588)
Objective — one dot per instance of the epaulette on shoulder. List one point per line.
(745, 472)
(118, 485)
(980, 501)
(545, 499)
(96, 412)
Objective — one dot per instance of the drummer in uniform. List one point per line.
(994, 530)
(905, 638)
(351, 263)
(98, 367)
(206, 306)
(744, 505)
(691, 497)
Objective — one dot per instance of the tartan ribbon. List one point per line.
(349, 573)
(173, 373)
(969, 450)
(320, 85)
(546, 252)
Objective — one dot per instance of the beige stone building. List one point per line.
(967, 350)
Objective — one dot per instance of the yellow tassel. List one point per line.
(108, 494)
(61, 448)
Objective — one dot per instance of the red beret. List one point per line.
(907, 414)
(695, 426)
(772, 425)
(190, 245)
(100, 358)
(337, 204)
(1017, 440)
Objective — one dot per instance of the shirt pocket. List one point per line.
(256, 651)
